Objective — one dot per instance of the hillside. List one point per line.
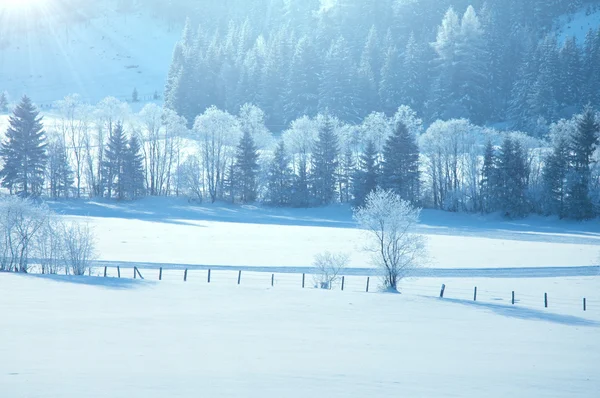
(109, 54)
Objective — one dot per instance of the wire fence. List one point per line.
(355, 283)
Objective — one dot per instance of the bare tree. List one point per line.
(49, 246)
(79, 248)
(191, 174)
(21, 223)
(328, 267)
(389, 223)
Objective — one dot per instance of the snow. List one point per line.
(578, 25)
(122, 338)
(109, 55)
(170, 231)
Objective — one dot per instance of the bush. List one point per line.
(79, 248)
(327, 268)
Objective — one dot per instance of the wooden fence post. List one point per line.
(475, 294)
(185, 275)
(105, 271)
(442, 291)
(209, 276)
(368, 279)
(160, 274)
(343, 279)
(134, 273)
(119, 271)
(303, 279)
(239, 277)
(513, 297)
(272, 279)
(137, 271)
(546, 300)
(584, 304)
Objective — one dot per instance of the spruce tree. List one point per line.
(510, 189)
(489, 180)
(114, 163)
(24, 151)
(583, 144)
(401, 164)
(246, 168)
(345, 178)
(135, 96)
(554, 179)
(325, 163)
(367, 175)
(280, 178)
(133, 173)
(60, 174)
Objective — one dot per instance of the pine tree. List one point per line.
(345, 175)
(60, 174)
(302, 82)
(367, 176)
(246, 168)
(489, 181)
(413, 71)
(24, 151)
(3, 102)
(114, 163)
(571, 78)
(583, 144)
(554, 179)
(325, 163)
(389, 91)
(280, 178)
(512, 177)
(133, 169)
(135, 96)
(401, 164)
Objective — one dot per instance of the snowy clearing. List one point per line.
(172, 232)
(124, 338)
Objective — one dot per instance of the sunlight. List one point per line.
(23, 5)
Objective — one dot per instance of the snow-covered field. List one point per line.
(172, 232)
(124, 338)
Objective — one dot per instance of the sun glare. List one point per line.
(23, 5)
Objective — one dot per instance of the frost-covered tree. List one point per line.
(389, 223)
(511, 183)
(555, 173)
(489, 175)
(217, 133)
(24, 151)
(3, 102)
(300, 139)
(59, 172)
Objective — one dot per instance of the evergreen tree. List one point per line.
(368, 73)
(571, 78)
(3, 102)
(401, 164)
(135, 96)
(115, 158)
(24, 151)
(133, 173)
(246, 168)
(60, 174)
(413, 71)
(554, 177)
(389, 91)
(510, 190)
(280, 178)
(301, 195)
(583, 144)
(488, 181)
(367, 175)
(325, 163)
(345, 175)
(302, 87)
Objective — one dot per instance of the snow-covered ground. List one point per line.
(170, 231)
(101, 337)
(108, 55)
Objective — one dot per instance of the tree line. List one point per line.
(487, 61)
(107, 151)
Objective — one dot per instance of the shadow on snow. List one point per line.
(108, 283)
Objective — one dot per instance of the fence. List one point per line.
(355, 283)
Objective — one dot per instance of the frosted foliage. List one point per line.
(376, 128)
(447, 35)
(301, 135)
(389, 222)
(110, 110)
(562, 130)
(470, 25)
(219, 125)
(328, 268)
(252, 119)
(409, 118)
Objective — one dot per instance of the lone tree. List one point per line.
(389, 221)
(3, 102)
(24, 151)
(135, 96)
